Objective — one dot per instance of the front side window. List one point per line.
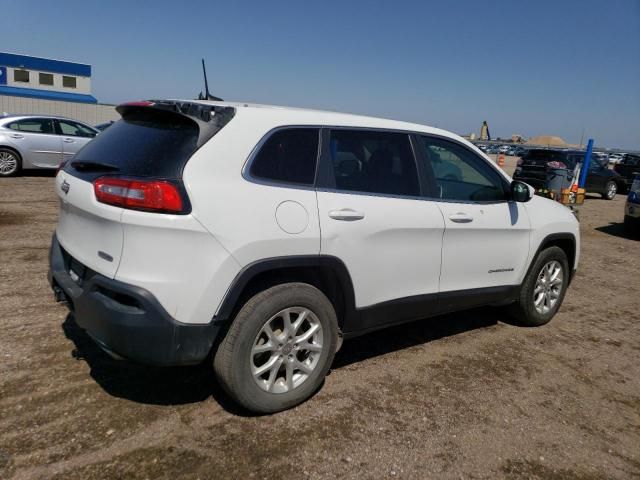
(288, 156)
(68, 82)
(373, 162)
(45, 78)
(460, 174)
(74, 129)
(33, 125)
(21, 76)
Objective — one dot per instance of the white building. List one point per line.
(42, 86)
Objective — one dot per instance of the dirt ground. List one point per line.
(461, 396)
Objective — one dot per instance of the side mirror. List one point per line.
(520, 192)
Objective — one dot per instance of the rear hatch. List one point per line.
(533, 166)
(141, 155)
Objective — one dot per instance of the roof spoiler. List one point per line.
(209, 118)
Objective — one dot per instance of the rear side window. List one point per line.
(144, 145)
(33, 125)
(288, 156)
(74, 129)
(373, 162)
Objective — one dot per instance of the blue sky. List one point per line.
(534, 67)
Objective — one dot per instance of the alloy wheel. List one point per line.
(8, 163)
(287, 350)
(548, 287)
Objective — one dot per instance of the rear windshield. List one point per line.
(568, 158)
(547, 155)
(143, 145)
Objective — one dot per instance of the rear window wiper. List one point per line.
(84, 166)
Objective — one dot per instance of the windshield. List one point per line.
(142, 144)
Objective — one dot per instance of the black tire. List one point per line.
(610, 190)
(523, 310)
(18, 162)
(233, 360)
(632, 226)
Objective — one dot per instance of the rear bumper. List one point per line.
(125, 319)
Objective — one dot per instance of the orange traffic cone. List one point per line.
(501, 160)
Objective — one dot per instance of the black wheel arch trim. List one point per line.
(549, 239)
(358, 321)
(250, 271)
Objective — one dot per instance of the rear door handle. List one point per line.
(461, 218)
(69, 140)
(17, 135)
(346, 214)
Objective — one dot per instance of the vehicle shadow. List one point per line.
(50, 172)
(617, 230)
(414, 333)
(143, 383)
(191, 384)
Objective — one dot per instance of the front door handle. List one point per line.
(346, 214)
(69, 140)
(17, 135)
(461, 217)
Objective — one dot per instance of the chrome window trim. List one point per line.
(312, 187)
(246, 168)
(7, 125)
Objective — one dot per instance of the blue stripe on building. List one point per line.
(45, 64)
(46, 94)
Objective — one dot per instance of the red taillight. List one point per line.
(150, 195)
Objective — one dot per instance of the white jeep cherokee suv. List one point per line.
(265, 235)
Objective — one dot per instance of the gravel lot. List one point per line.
(462, 396)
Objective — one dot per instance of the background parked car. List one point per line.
(632, 209)
(34, 142)
(534, 167)
(616, 158)
(103, 126)
(628, 168)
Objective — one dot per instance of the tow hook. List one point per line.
(59, 295)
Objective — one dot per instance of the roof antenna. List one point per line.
(207, 95)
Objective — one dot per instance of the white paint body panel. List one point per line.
(489, 251)
(190, 261)
(547, 218)
(393, 252)
(86, 227)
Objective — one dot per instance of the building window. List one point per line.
(68, 82)
(46, 79)
(21, 76)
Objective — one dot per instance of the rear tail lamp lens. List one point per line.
(148, 195)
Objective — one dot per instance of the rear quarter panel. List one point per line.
(241, 214)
